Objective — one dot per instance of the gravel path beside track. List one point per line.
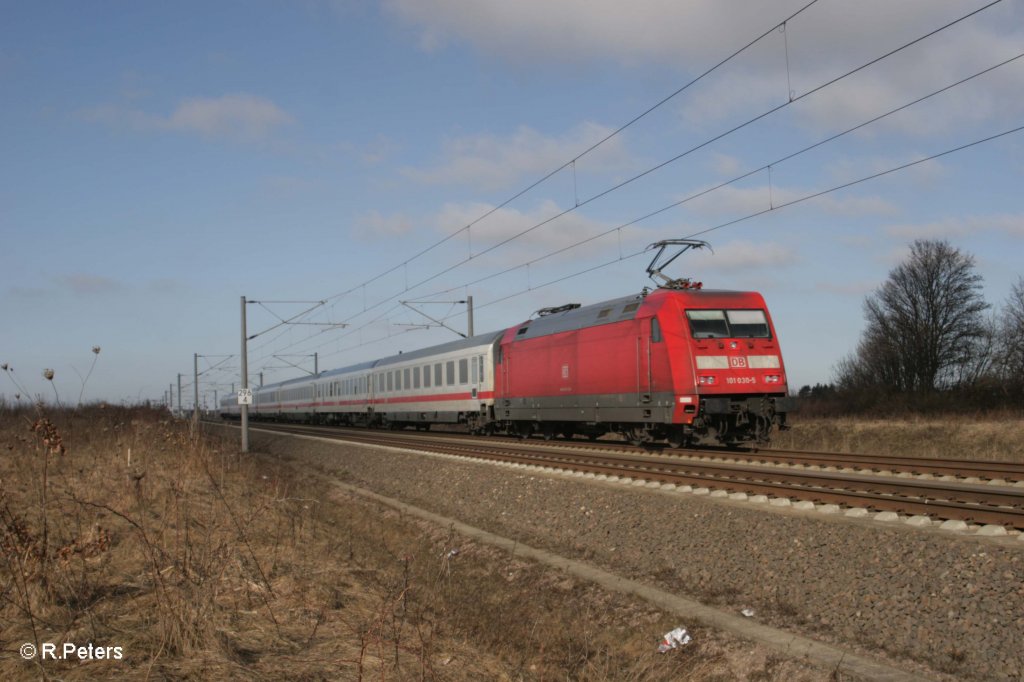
(953, 603)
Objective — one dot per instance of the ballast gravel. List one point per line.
(951, 603)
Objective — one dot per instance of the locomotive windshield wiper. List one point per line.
(659, 262)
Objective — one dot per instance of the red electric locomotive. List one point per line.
(678, 364)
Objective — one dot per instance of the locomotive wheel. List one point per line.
(676, 439)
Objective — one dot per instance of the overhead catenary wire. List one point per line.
(791, 100)
(588, 150)
(695, 148)
(777, 207)
(773, 208)
(624, 183)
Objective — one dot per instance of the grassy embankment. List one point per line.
(121, 528)
(986, 437)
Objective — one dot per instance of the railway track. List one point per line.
(954, 496)
(968, 470)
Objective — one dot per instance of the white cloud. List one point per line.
(84, 283)
(372, 225)
(528, 30)
(822, 43)
(507, 223)
(239, 116)
(287, 186)
(741, 201)
(923, 174)
(743, 255)
(487, 162)
(726, 165)
(857, 289)
(379, 150)
(959, 227)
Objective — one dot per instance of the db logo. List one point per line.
(737, 361)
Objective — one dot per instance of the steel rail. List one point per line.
(957, 468)
(984, 504)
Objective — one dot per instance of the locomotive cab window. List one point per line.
(747, 324)
(707, 324)
(733, 324)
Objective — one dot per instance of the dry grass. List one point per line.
(993, 438)
(121, 528)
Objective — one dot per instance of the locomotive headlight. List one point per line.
(772, 379)
(706, 381)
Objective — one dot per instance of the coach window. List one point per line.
(482, 377)
(449, 371)
(655, 330)
(437, 374)
(415, 377)
(426, 376)
(391, 381)
(463, 371)
(407, 381)
(474, 375)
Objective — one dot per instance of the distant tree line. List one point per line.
(930, 343)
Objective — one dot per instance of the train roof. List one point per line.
(461, 344)
(605, 312)
(348, 370)
(616, 310)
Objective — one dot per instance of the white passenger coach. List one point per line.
(451, 383)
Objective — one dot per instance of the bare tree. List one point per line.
(925, 325)
(1011, 337)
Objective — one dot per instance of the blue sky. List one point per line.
(160, 160)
